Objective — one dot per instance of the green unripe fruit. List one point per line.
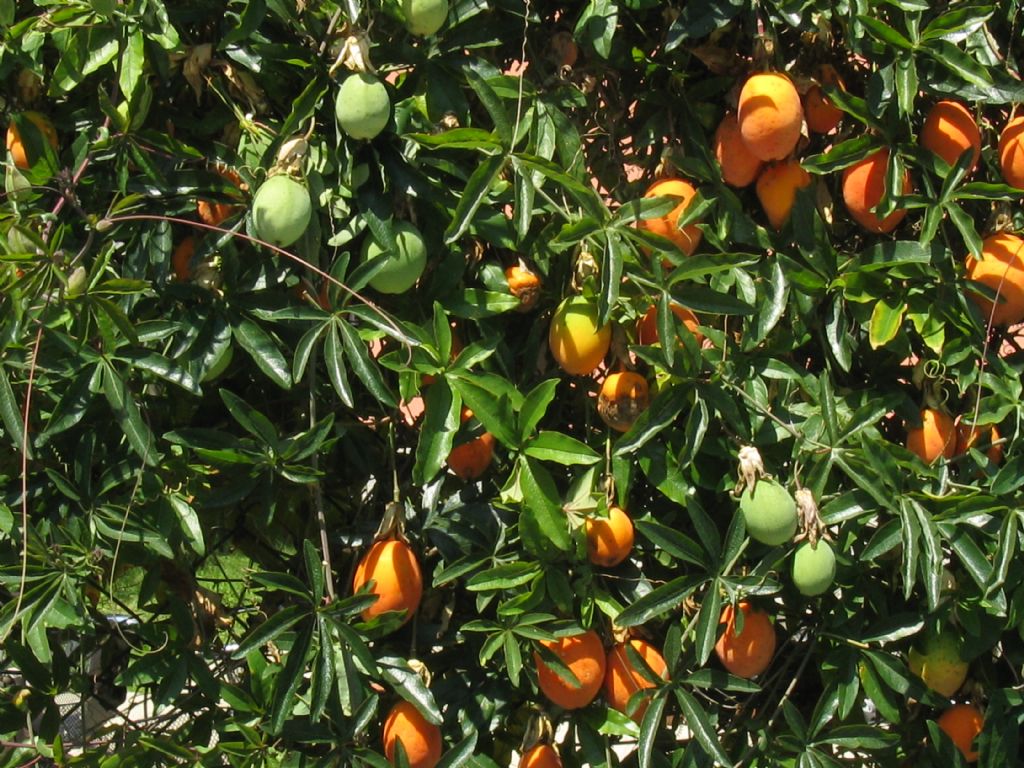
(404, 266)
(281, 211)
(769, 512)
(814, 568)
(363, 106)
(424, 17)
(939, 663)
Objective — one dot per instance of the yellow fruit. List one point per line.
(769, 512)
(577, 343)
(770, 115)
(622, 679)
(939, 664)
(935, 437)
(609, 539)
(421, 739)
(739, 165)
(777, 187)
(748, 653)
(686, 239)
(1001, 268)
(863, 187)
(949, 131)
(623, 397)
(584, 655)
(962, 723)
(398, 584)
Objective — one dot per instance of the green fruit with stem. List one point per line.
(814, 568)
(363, 106)
(769, 512)
(281, 210)
(403, 266)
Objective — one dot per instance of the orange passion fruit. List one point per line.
(622, 679)
(739, 165)
(420, 739)
(686, 239)
(584, 655)
(935, 437)
(397, 581)
(748, 653)
(609, 539)
(623, 397)
(863, 188)
(770, 115)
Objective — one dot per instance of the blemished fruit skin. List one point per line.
(1001, 268)
(962, 723)
(363, 106)
(424, 17)
(1011, 152)
(749, 653)
(769, 512)
(281, 211)
(949, 130)
(622, 679)
(525, 285)
(777, 187)
(576, 341)
(935, 437)
(17, 148)
(939, 664)
(541, 756)
(393, 566)
(739, 165)
(770, 115)
(814, 568)
(421, 740)
(623, 397)
(584, 655)
(647, 326)
(609, 539)
(686, 239)
(402, 268)
(863, 187)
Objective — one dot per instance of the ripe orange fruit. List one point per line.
(647, 326)
(935, 437)
(421, 740)
(525, 285)
(1001, 268)
(181, 259)
(215, 213)
(584, 655)
(1011, 152)
(863, 187)
(770, 115)
(968, 435)
(622, 679)
(577, 343)
(739, 165)
(776, 189)
(469, 460)
(392, 566)
(541, 756)
(821, 114)
(962, 723)
(609, 539)
(623, 397)
(949, 131)
(750, 652)
(14, 142)
(686, 239)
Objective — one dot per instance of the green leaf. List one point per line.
(659, 601)
(507, 576)
(408, 684)
(487, 404)
(561, 449)
(706, 632)
(672, 542)
(597, 26)
(700, 725)
(442, 409)
(190, 525)
(266, 631)
(886, 321)
(534, 407)
(490, 101)
(649, 728)
(367, 371)
(129, 417)
(263, 350)
(883, 33)
(251, 420)
(667, 405)
(10, 413)
(132, 62)
(334, 358)
(290, 679)
(543, 526)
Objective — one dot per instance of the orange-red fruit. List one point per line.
(821, 114)
(1011, 152)
(739, 165)
(469, 460)
(525, 285)
(686, 239)
(181, 259)
(935, 437)
(393, 566)
(949, 131)
(623, 397)
(962, 723)
(421, 740)
(647, 326)
(622, 679)
(584, 655)
(750, 652)
(863, 187)
(1001, 268)
(969, 435)
(17, 148)
(541, 756)
(776, 189)
(215, 213)
(609, 539)
(770, 115)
